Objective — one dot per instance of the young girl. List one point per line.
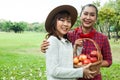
(59, 55)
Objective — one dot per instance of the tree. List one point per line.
(5, 25)
(115, 4)
(105, 17)
(19, 27)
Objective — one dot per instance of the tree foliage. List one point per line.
(109, 18)
(19, 27)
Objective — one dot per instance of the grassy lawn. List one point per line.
(113, 72)
(21, 59)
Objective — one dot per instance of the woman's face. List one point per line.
(63, 26)
(88, 17)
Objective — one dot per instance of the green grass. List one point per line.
(113, 72)
(115, 47)
(21, 59)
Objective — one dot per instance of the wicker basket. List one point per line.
(96, 65)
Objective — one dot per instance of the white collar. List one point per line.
(64, 40)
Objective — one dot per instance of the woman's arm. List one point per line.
(107, 55)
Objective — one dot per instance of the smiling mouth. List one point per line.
(65, 29)
(86, 22)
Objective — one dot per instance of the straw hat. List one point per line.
(72, 10)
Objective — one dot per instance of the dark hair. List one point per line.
(58, 16)
(90, 5)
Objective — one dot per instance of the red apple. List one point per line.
(93, 59)
(75, 60)
(82, 57)
(93, 53)
(88, 56)
(86, 61)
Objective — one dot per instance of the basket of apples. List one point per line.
(94, 57)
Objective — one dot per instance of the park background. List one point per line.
(20, 56)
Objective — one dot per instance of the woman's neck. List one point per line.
(86, 30)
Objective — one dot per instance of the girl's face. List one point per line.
(88, 17)
(63, 26)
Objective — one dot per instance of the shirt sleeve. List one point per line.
(52, 63)
(106, 52)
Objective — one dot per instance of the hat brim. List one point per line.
(69, 8)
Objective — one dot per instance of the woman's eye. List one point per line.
(92, 14)
(85, 13)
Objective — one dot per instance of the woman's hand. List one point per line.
(44, 46)
(78, 42)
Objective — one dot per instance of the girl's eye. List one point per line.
(69, 21)
(61, 19)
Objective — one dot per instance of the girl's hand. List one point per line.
(87, 73)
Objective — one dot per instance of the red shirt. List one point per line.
(88, 46)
